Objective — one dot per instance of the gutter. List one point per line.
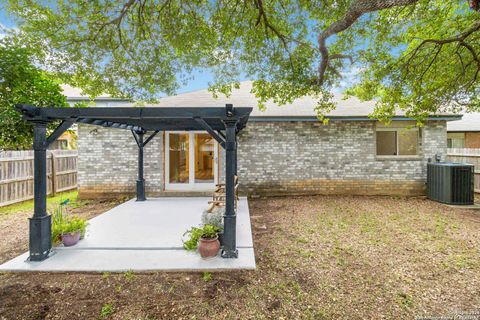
(73, 99)
(343, 118)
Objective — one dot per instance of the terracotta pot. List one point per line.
(208, 248)
(71, 238)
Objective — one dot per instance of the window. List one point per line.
(455, 140)
(397, 141)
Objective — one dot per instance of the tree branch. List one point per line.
(460, 39)
(356, 10)
(262, 16)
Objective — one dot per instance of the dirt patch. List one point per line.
(318, 257)
(14, 227)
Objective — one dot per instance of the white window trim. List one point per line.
(417, 156)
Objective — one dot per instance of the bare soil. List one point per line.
(320, 257)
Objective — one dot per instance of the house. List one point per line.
(67, 141)
(74, 95)
(283, 150)
(464, 133)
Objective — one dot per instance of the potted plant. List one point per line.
(208, 244)
(205, 239)
(69, 230)
(72, 230)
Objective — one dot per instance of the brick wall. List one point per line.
(472, 140)
(274, 158)
(306, 157)
(108, 162)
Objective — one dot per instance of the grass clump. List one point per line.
(207, 276)
(129, 275)
(107, 309)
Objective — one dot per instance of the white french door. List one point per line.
(190, 161)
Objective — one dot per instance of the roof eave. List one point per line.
(70, 99)
(345, 118)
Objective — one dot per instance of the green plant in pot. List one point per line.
(72, 230)
(205, 239)
(69, 230)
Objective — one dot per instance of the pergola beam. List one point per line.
(220, 133)
(62, 127)
(150, 119)
(212, 132)
(150, 137)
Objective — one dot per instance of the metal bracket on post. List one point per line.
(40, 237)
(230, 217)
(213, 133)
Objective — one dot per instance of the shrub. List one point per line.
(214, 218)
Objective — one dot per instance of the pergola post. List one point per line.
(140, 180)
(236, 155)
(40, 224)
(230, 217)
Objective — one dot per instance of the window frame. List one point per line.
(455, 136)
(398, 129)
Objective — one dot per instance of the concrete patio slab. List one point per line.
(144, 236)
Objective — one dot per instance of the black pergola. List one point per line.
(139, 121)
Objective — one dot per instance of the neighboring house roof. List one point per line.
(469, 122)
(75, 94)
(300, 109)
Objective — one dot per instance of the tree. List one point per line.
(22, 82)
(419, 56)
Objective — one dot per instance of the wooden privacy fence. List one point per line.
(464, 155)
(16, 174)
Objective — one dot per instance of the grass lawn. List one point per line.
(321, 257)
(51, 201)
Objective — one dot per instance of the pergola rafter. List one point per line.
(139, 121)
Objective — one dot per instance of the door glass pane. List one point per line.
(408, 142)
(178, 157)
(386, 143)
(204, 157)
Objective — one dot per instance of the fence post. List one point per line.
(54, 174)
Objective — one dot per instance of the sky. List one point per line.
(5, 19)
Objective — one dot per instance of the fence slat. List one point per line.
(16, 174)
